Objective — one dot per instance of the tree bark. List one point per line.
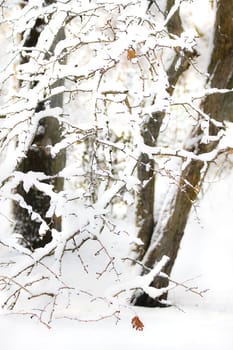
(168, 233)
(39, 159)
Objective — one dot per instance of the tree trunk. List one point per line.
(150, 130)
(146, 175)
(39, 159)
(168, 233)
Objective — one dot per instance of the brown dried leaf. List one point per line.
(137, 323)
(131, 54)
(230, 150)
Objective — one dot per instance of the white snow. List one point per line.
(205, 323)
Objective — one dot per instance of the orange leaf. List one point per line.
(137, 323)
(131, 53)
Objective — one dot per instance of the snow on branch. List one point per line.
(142, 283)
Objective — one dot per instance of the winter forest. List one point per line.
(116, 149)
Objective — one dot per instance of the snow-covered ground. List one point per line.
(193, 323)
(165, 329)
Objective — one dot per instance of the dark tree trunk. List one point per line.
(167, 235)
(146, 175)
(39, 159)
